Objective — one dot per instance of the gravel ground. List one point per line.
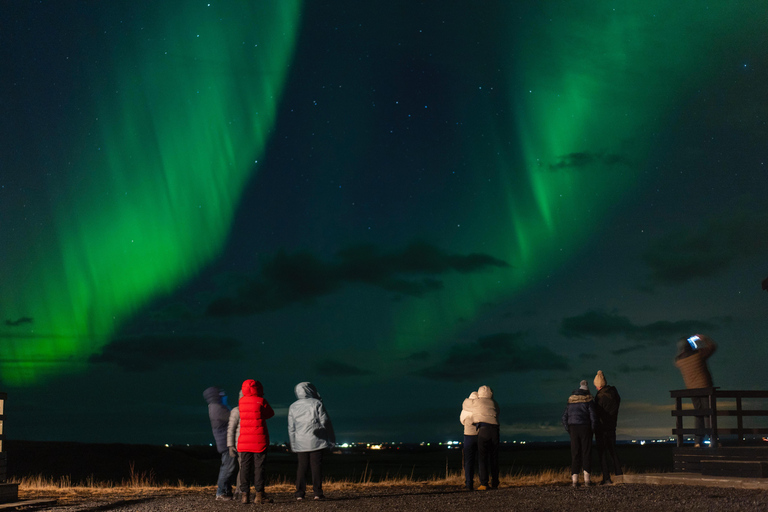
(639, 497)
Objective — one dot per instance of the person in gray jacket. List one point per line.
(233, 432)
(310, 432)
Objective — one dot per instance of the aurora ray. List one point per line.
(171, 128)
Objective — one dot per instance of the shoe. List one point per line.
(224, 497)
(299, 498)
(245, 498)
(574, 484)
(606, 481)
(482, 488)
(319, 498)
(262, 498)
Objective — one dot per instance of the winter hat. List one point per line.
(473, 395)
(583, 385)
(600, 379)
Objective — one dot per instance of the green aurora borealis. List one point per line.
(592, 90)
(179, 115)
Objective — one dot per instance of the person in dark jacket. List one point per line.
(607, 401)
(691, 360)
(218, 413)
(310, 432)
(580, 420)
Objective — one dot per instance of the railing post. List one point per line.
(679, 407)
(739, 420)
(713, 418)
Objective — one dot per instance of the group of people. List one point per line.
(242, 437)
(586, 416)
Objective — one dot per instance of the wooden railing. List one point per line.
(712, 412)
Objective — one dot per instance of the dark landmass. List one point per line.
(198, 465)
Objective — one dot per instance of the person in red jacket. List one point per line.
(253, 441)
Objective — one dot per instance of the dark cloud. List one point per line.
(588, 356)
(21, 321)
(497, 353)
(627, 350)
(685, 255)
(583, 159)
(602, 325)
(623, 368)
(338, 369)
(146, 353)
(302, 277)
(419, 356)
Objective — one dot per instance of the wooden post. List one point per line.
(739, 420)
(679, 407)
(713, 418)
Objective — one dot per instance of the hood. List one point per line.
(306, 390)
(485, 392)
(213, 395)
(579, 396)
(252, 388)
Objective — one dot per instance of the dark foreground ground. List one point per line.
(629, 497)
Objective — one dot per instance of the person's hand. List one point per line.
(232, 452)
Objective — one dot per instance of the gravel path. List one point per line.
(630, 497)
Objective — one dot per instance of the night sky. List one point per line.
(398, 201)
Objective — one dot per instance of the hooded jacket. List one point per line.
(309, 426)
(580, 410)
(466, 418)
(484, 409)
(218, 413)
(254, 413)
(607, 401)
(693, 363)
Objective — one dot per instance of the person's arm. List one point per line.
(565, 419)
(267, 410)
(709, 346)
(234, 420)
(325, 421)
(592, 415)
(291, 428)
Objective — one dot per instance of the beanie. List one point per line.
(583, 385)
(600, 379)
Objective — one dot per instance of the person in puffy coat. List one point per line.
(470, 440)
(580, 420)
(233, 432)
(310, 432)
(485, 415)
(218, 413)
(691, 360)
(253, 440)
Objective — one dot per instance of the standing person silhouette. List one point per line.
(470, 440)
(580, 420)
(691, 360)
(607, 401)
(310, 433)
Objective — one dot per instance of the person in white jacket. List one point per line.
(310, 432)
(470, 440)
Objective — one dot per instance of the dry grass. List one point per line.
(146, 481)
(141, 485)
